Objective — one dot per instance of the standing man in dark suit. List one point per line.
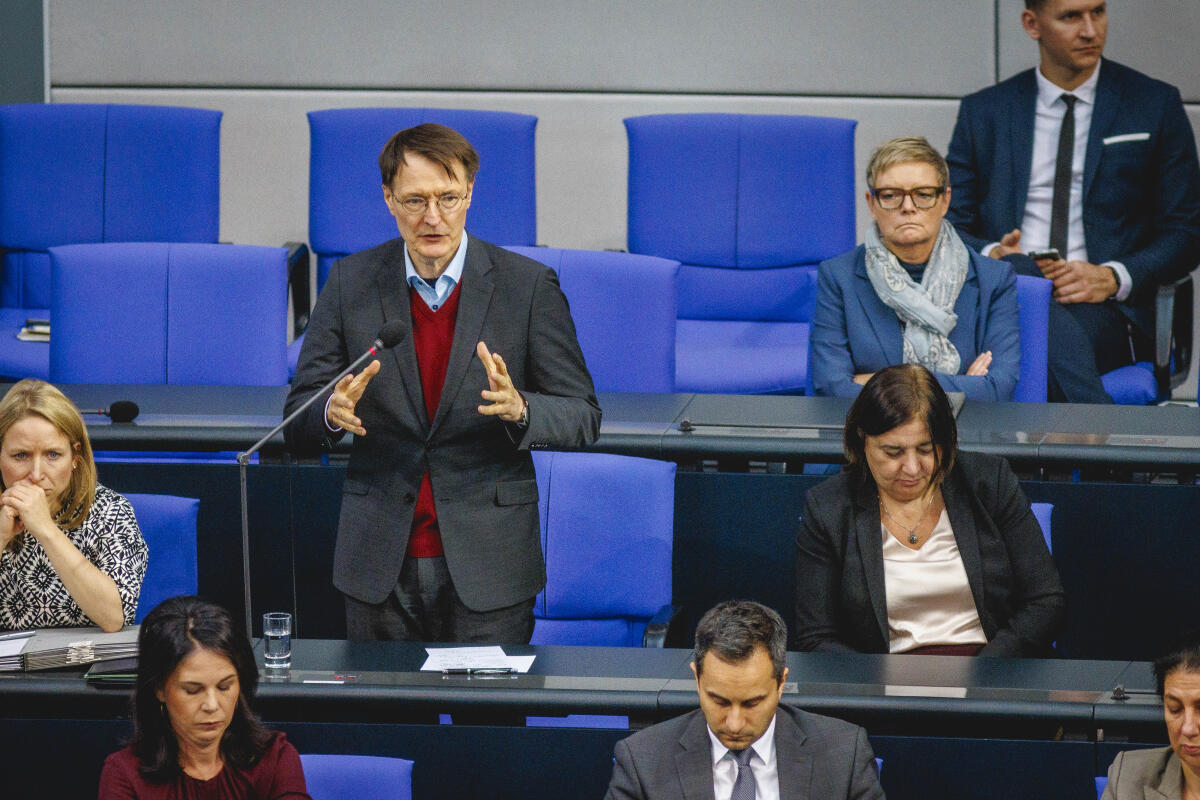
(1090, 158)
(438, 538)
(742, 744)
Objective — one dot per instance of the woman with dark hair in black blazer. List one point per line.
(919, 548)
(194, 734)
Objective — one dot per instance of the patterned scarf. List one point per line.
(926, 310)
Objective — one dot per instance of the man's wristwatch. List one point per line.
(524, 421)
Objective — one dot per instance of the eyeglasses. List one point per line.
(416, 204)
(923, 197)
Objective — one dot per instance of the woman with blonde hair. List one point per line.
(71, 552)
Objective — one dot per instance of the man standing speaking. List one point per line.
(438, 536)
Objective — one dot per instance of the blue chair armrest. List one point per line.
(658, 629)
(1172, 335)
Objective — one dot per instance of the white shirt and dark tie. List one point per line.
(1050, 111)
(762, 764)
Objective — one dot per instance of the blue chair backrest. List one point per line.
(1101, 782)
(623, 306)
(346, 211)
(1033, 313)
(168, 525)
(1042, 513)
(169, 314)
(100, 173)
(741, 200)
(357, 777)
(607, 525)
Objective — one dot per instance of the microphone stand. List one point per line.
(243, 460)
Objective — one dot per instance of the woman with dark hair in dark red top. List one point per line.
(194, 733)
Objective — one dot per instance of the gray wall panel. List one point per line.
(22, 52)
(1156, 38)
(751, 47)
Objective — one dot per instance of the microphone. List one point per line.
(390, 335)
(120, 411)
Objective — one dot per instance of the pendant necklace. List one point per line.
(912, 532)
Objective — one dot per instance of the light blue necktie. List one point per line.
(744, 788)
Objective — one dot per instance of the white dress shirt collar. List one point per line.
(1051, 93)
(763, 764)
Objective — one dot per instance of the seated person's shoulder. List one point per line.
(843, 263)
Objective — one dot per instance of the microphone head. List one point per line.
(391, 334)
(123, 411)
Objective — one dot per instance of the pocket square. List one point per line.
(1126, 137)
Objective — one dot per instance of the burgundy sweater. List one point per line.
(433, 334)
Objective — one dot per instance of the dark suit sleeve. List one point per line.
(1002, 335)
(966, 182)
(1039, 604)
(1175, 247)
(864, 782)
(624, 784)
(322, 357)
(831, 367)
(562, 400)
(818, 571)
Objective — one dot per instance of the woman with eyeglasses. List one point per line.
(914, 293)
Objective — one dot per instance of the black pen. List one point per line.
(479, 671)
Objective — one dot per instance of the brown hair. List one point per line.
(31, 397)
(894, 396)
(904, 150)
(443, 146)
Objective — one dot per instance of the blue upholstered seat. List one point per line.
(749, 204)
(1033, 314)
(357, 777)
(346, 212)
(607, 525)
(94, 173)
(169, 527)
(169, 314)
(624, 311)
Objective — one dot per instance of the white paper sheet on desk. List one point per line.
(441, 658)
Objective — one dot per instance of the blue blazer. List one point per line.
(1141, 197)
(854, 332)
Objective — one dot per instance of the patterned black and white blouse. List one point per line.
(33, 596)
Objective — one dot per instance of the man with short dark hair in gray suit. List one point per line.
(742, 744)
(438, 538)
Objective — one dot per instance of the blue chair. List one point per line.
(346, 212)
(357, 777)
(1033, 313)
(624, 311)
(94, 173)
(169, 314)
(607, 525)
(1148, 382)
(1101, 783)
(1042, 512)
(749, 205)
(169, 527)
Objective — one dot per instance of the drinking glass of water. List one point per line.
(277, 639)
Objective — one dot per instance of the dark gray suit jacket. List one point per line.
(482, 474)
(819, 758)
(840, 599)
(1155, 774)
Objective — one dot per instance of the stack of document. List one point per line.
(64, 647)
